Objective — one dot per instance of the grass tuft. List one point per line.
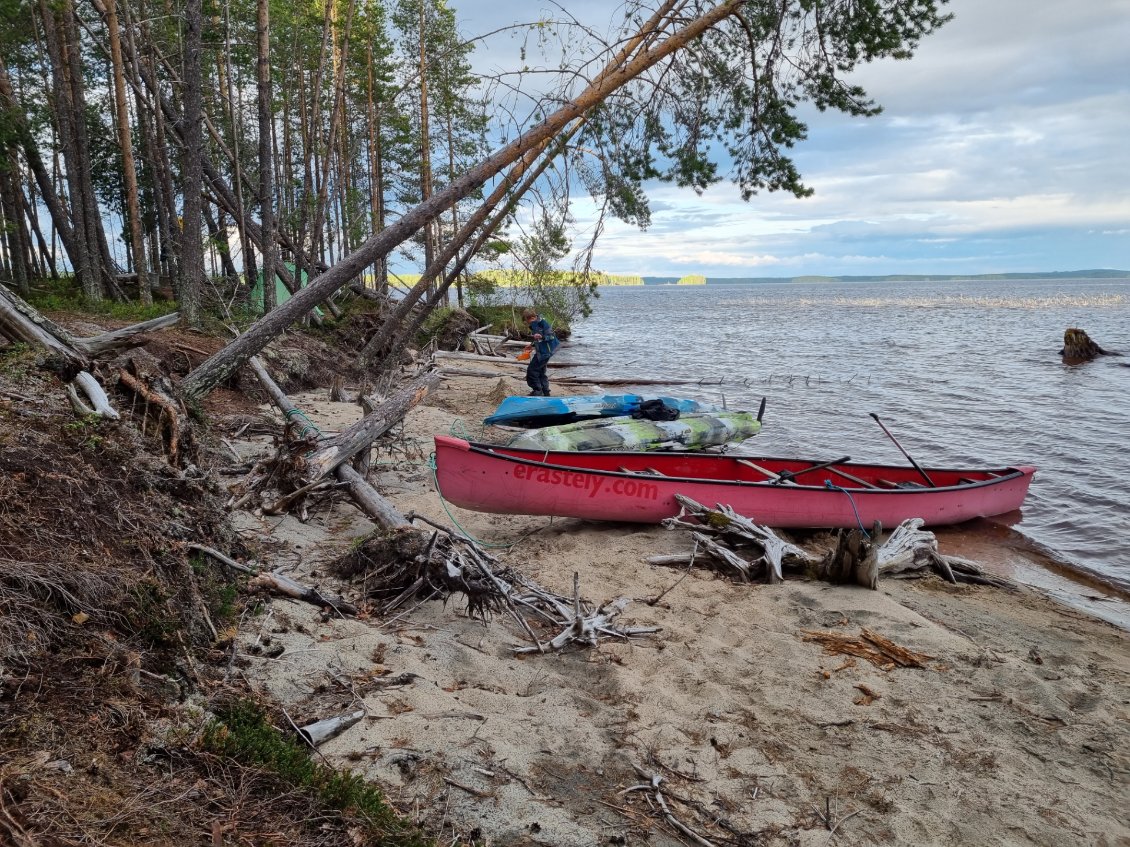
(242, 732)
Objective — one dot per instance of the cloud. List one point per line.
(1004, 145)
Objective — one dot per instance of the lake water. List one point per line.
(961, 373)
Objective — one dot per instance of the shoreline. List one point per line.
(1023, 705)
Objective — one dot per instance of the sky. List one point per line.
(1004, 146)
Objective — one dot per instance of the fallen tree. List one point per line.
(824, 40)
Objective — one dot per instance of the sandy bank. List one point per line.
(1016, 732)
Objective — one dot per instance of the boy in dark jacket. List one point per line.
(545, 345)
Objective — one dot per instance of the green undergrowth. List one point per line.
(63, 296)
(242, 732)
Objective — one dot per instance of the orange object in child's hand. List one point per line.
(525, 354)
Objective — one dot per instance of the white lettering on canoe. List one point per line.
(588, 482)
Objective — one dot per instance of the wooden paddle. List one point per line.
(917, 467)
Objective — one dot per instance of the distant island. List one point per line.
(1094, 273)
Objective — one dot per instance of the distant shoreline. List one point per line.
(1099, 273)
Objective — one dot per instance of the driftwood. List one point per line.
(323, 730)
(335, 451)
(738, 546)
(364, 495)
(405, 566)
(377, 508)
(586, 627)
(851, 561)
(278, 583)
(869, 645)
(655, 794)
(1078, 347)
(727, 527)
(96, 393)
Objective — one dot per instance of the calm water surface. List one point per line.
(962, 373)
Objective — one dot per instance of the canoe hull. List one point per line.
(688, 432)
(487, 478)
(554, 411)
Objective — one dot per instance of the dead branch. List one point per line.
(727, 527)
(869, 645)
(277, 583)
(95, 392)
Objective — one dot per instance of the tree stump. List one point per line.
(1078, 346)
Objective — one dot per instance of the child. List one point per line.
(545, 345)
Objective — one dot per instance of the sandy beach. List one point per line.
(1016, 730)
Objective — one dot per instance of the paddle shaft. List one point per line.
(789, 476)
(909, 458)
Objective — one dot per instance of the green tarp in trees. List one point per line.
(282, 294)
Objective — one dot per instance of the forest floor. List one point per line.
(1015, 731)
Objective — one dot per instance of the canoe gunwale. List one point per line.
(1004, 474)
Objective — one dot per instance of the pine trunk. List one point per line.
(266, 165)
(192, 248)
(125, 141)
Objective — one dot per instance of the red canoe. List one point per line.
(641, 487)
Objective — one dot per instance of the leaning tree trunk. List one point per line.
(634, 59)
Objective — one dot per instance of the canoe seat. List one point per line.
(644, 472)
(886, 483)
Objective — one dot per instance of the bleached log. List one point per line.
(127, 336)
(911, 548)
(582, 629)
(482, 374)
(81, 409)
(725, 556)
(503, 360)
(670, 559)
(370, 502)
(363, 494)
(725, 521)
(97, 395)
(21, 321)
(278, 583)
(323, 730)
(853, 559)
(360, 436)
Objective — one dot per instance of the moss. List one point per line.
(149, 617)
(219, 595)
(242, 732)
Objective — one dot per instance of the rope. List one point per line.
(831, 486)
(459, 431)
(452, 518)
(306, 427)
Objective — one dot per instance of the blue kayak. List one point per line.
(554, 411)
